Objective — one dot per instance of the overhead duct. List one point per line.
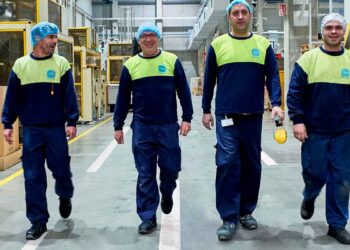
(210, 15)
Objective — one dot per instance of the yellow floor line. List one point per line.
(20, 171)
(11, 177)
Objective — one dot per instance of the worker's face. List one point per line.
(333, 34)
(149, 44)
(239, 19)
(48, 44)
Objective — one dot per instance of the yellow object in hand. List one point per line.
(280, 135)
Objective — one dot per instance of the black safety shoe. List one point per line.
(307, 209)
(248, 222)
(35, 231)
(166, 204)
(147, 226)
(226, 231)
(65, 207)
(340, 235)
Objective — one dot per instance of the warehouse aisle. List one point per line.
(104, 209)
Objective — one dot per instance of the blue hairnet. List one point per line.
(147, 27)
(333, 17)
(41, 30)
(234, 2)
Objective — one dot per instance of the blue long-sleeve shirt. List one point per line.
(153, 83)
(240, 67)
(319, 91)
(40, 91)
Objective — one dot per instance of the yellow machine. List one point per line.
(90, 88)
(84, 37)
(117, 54)
(347, 37)
(114, 68)
(34, 11)
(88, 84)
(65, 48)
(14, 43)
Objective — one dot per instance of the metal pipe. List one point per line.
(310, 23)
(347, 10)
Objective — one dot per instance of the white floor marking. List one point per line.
(33, 244)
(267, 159)
(94, 167)
(170, 231)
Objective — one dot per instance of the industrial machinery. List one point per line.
(65, 48)
(34, 11)
(14, 43)
(88, 84)
(84, 37)
(117, 54)
(347, 37)
(114, 68)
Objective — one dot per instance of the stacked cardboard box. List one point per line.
(197, 86)
(267, 102)
(9, 154)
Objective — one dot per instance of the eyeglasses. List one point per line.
(330, 28)
(237, 13)
(151, 36)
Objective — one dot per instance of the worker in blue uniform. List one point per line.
(318, 101)
(41, 93)
(239, 64)
(154, 78)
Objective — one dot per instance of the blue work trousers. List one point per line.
(238, 166)
(152, 144)
(326, 160)
(42, 143)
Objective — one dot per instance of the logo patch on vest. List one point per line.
(345, 73)
(255, 53)
(51, 74)
(161, 68)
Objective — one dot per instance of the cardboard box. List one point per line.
(5, 148)
(10, 160)
(197, 86)
(197, 91)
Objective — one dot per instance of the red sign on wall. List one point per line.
(282, 9)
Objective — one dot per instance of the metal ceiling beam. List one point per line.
(145, 18)
(148, 2)
(181, 2)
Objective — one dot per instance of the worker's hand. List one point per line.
(300, 132)
(277, 111)
(71, 132)
(119, 136)
(8, 135)
(185, 127)
(208, 121)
